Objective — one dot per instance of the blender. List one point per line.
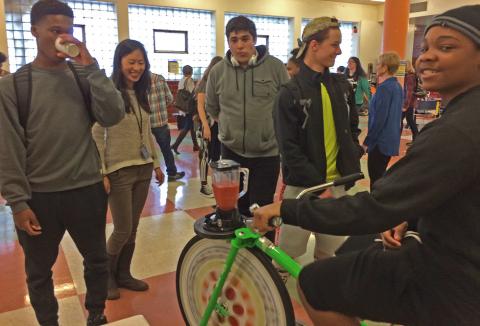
(226, 189)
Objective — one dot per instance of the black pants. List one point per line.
(187, 127)
(81, 212)
(409, 114)
(262, 181)
(377, 165)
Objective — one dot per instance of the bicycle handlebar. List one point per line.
(277, 221)
(337, 182)
(274, 221)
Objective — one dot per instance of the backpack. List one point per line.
(185, 101)
(22, 82)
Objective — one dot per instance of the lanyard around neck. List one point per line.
(139, 121)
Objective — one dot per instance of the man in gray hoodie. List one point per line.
(240, 95)
(49, 165)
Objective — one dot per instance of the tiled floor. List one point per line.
(165, 227)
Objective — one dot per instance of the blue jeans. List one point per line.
(162, 135)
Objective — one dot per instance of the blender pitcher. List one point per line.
(226, 183)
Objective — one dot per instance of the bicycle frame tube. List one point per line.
(212, 302)
(279, 256)
(246, 238)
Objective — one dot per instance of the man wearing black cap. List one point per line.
(316, 125)
(434, 279)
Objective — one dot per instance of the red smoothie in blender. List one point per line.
(226, 195)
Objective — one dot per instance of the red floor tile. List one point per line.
(300, 313)
(157, 202)
(199, 212)
(13, 282)
(158, 305)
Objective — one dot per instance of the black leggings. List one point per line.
(377, 165)
(189, 126)
(409, 114)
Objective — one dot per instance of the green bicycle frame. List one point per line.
(246, 238)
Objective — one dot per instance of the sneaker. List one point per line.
(206, 191)
(96, 319)
(176, 176)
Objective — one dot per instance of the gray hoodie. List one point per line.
(241, 100)
(56, 152)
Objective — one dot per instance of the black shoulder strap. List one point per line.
(299, 100)
(22, 82)
(80, 76)
(293, 85)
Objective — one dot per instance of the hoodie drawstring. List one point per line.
(253, 91)
(236, 78)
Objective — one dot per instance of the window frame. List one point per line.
(170, 31)
(82, 28)
(266, 37)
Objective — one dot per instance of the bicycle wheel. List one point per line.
(253, 293)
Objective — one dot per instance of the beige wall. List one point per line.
(366, 15)
(436, 7)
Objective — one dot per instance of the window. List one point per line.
(90, 17)
(275, 32)
(198, 26)
(99, 20)
(79, 32)
(21, 44)
(263, 40)
(349, 44)
(166, 41)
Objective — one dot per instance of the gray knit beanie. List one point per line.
(464, 19)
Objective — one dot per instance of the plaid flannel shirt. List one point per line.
(159, 98)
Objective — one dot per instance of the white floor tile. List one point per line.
(70, 313)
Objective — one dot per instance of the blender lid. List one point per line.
(224, 165)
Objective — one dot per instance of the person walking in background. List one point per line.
(159, 97)
(208, 135)
(49, 166)
(3, 59)
(188, 84)
(357, 77)
(241, 91)
(385, 112)
(410, 100)
(129, 158)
